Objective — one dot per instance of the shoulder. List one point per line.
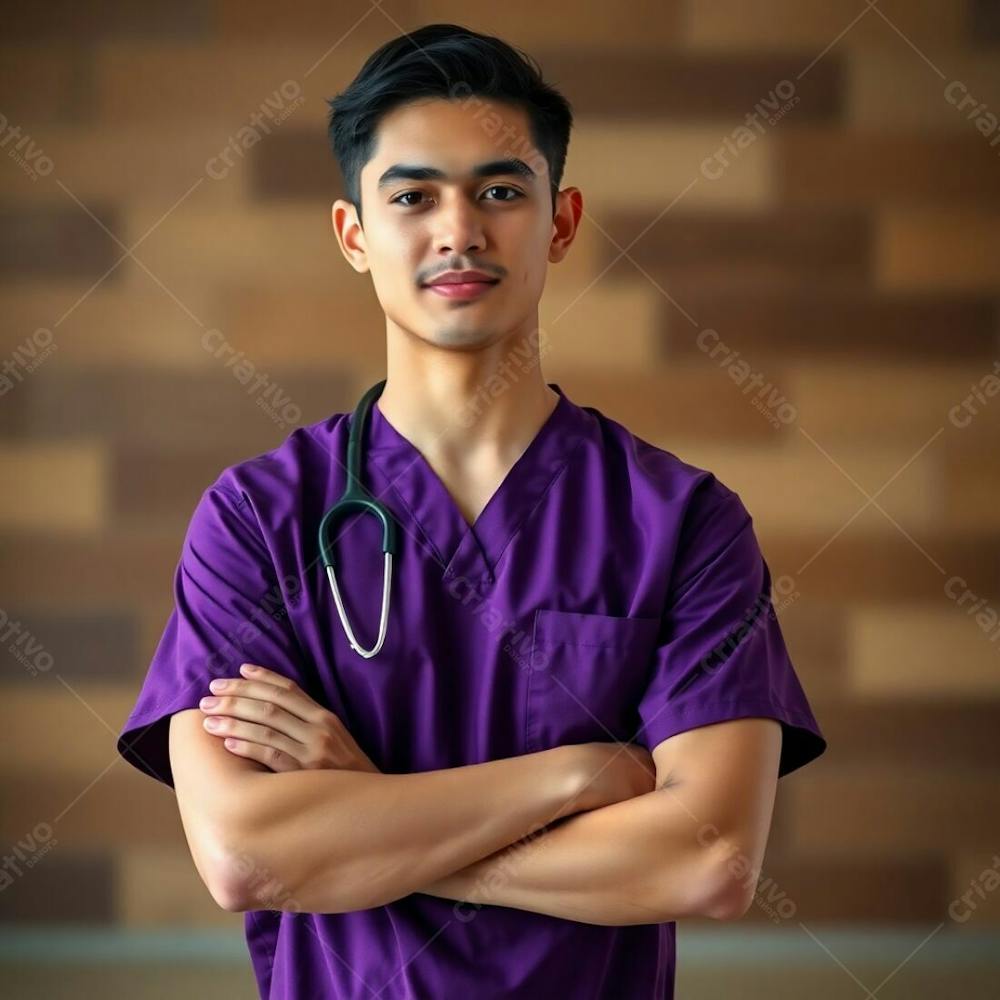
(309, 455)
(662, 485)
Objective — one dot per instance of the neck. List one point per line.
(459, 406)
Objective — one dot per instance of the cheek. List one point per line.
(536, 261)
(393, 271)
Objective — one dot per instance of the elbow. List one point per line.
(242, 882)
(218, 875)
(728, 887)
(728, 903)
(227, 884)
(707, 888)
(246, 878)
(228, 896)
(239, 879)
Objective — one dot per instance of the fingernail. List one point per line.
(218, 685)
(212, 721)
(209, 702)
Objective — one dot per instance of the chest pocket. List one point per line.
(585, 677)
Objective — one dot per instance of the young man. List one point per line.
(570, 735)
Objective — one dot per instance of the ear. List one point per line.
(569, 209)
(350, 235)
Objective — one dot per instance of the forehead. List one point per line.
(452, 135)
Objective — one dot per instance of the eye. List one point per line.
(405, 194)
(503, 187)
(494, 187)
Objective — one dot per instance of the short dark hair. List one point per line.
(447, 61)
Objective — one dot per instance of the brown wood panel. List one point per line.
(150, 408)
(984, 22)
(815, 634)
(679, 85)
(61, 87)
(872, 167)
(89, 814)
(860, 569)
(954, 248)
(876, 805)
(84, 572)
(783, 248)
(971, 490)
(295, 164)
(834, 324)
(164, 483)
(110, 18)
(785, 24)
(60, 241)
(932, 732)
(661, 402)
(77, 646)
(63, 886)
(816, 888)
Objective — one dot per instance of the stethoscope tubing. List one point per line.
(354, 499)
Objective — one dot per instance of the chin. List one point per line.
(460, 336)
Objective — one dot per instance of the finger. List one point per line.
(256, 672)
(250, 732)
(258, 701)
(278, 689)
(259, 711)
(306, 708)
(276, 760)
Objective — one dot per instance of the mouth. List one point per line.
(462, 289)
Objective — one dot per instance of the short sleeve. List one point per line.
(228, 609)
(721, 654)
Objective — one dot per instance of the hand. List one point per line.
(270, 719)
(612, 772)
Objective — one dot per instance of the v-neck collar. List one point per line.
(416, 493)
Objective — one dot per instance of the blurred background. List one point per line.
(788, 273)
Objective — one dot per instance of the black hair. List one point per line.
(452, 62)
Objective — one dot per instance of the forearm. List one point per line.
(637, 861)
(331, 841)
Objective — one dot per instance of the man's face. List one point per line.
(417, 227)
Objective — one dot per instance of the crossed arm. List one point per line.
(691, 847)
(525, 832)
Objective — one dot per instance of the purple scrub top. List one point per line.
(608, 591)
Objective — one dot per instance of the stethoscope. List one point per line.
(355, 499)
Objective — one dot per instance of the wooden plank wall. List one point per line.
(850, 254)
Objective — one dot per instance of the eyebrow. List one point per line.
(494, 168)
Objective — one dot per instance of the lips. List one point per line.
(462, 289)
(463, 278)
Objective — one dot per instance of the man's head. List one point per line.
(452, 148)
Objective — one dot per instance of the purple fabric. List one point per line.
(608, 591)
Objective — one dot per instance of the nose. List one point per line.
(458, 227)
